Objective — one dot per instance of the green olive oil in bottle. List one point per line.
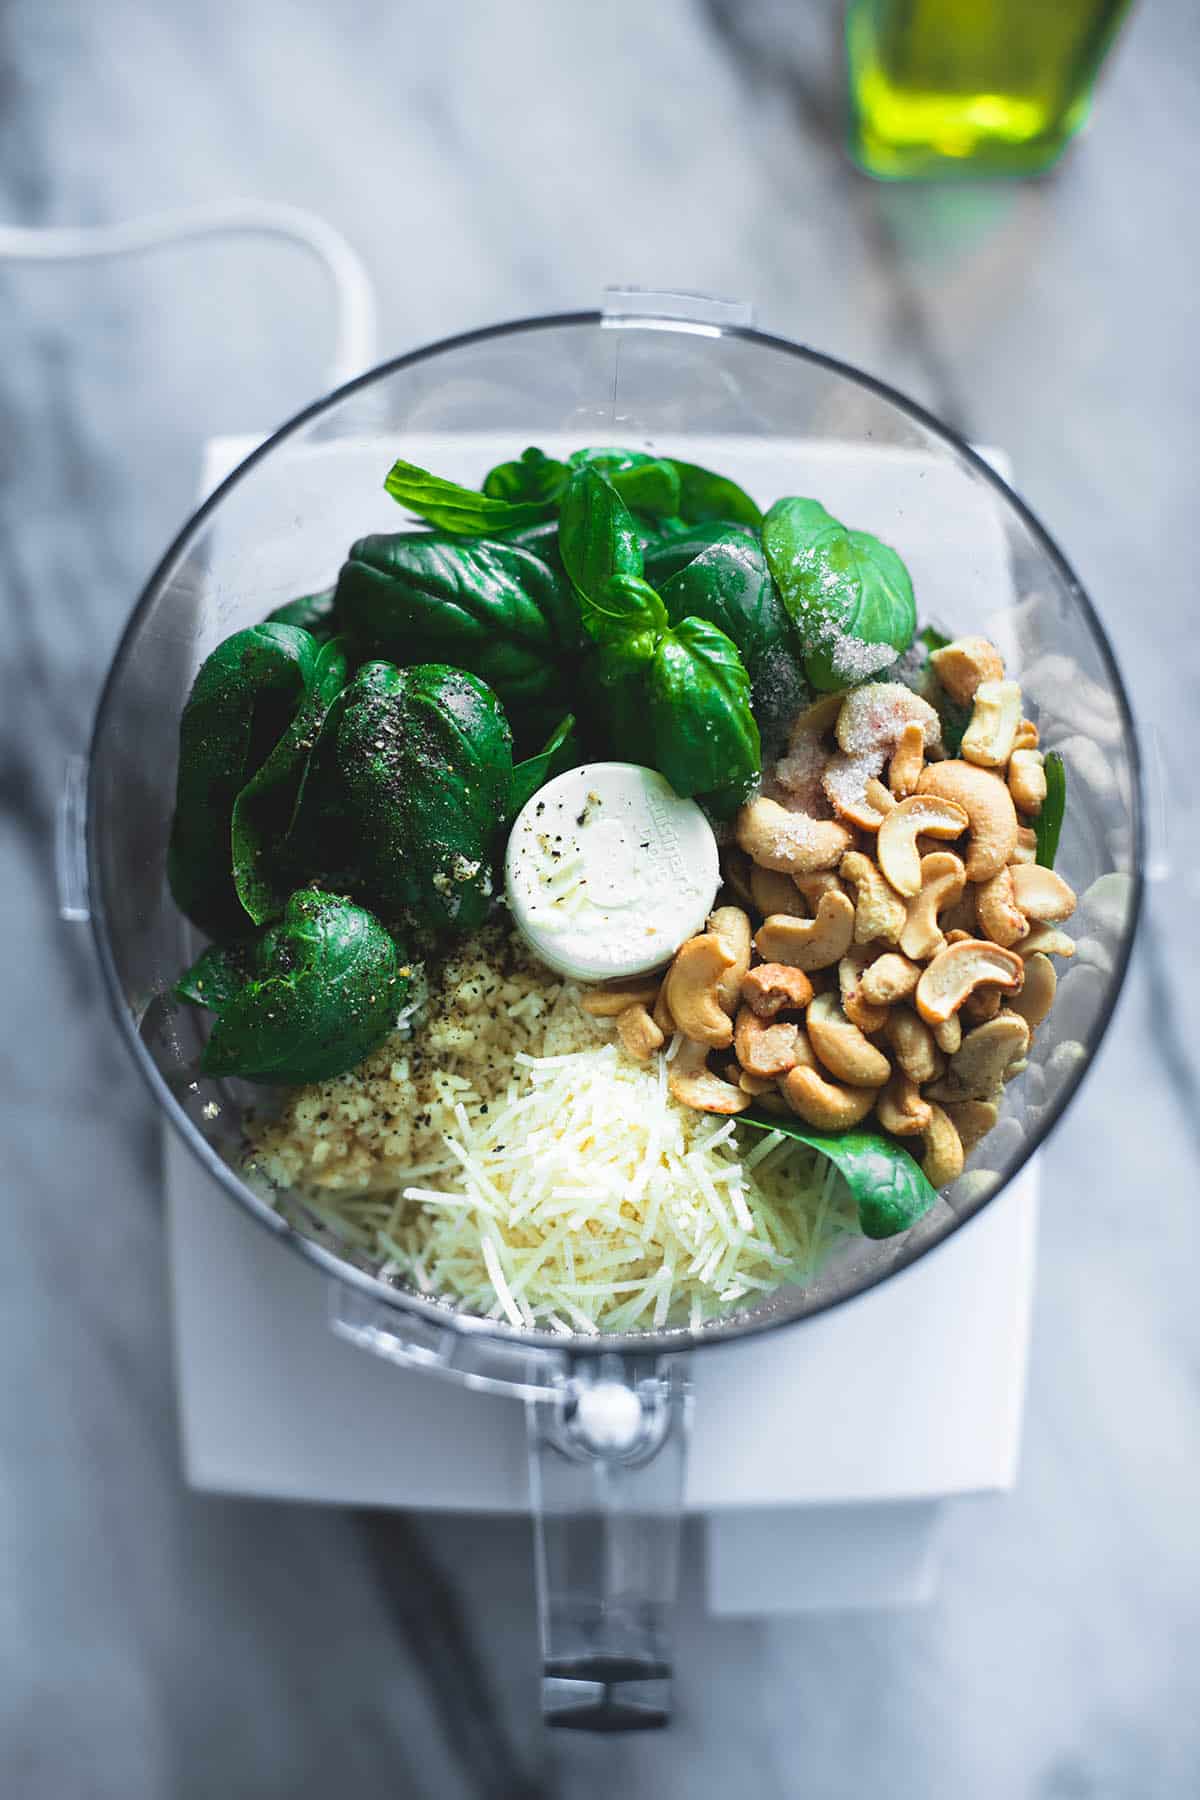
(973, 86)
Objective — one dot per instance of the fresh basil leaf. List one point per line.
(217, 974)
(1048, 824)
(265, 809)
(452, 507)
(672, 551)
(626, 619)
(597, 534)
(326, 991)
(932, 639)
(560, 752)
(698, 692)
(729, 584)
(704, 495)
(536, 477)
(414, 774)
(647, 484)
(493, 609)
(848, 595)
(891, 1191)
(311, 612)
(241, 703)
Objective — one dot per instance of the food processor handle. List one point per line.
(607, 1453)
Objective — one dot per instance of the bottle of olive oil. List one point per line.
(977, 86)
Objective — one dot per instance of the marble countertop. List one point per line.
(490, 162)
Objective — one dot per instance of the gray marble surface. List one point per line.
(493, 161)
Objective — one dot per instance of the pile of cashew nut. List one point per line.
(886, 949)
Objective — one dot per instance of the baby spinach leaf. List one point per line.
(241, 703)
(597, 535)
(698, 691)
(493, 609)
(416, 765)
(891, 1191)
(535, 477)
(647, 484)
(217, 974)
(326, 989)
(560, 752)
(704, 495)
(312, 612)
(264, 810)
(1048, 824)
(672, 551)
(729, 584)
(452, 507)
(849, 596)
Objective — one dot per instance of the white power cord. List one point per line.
(354, 347)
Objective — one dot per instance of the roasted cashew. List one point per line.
(1027, 781)
(693, 988)
(611, 1002)
(1026, 849)
(942, 882)
(961, 915)
(908, 759)
(1047, 940)
(842, 1047)
(928, 815)
(980, 1006)
(873, 717)
(825, 1105)
(1041, 894)
(736, 867)
(1037, 996)
(879, 911)
(943, 1159)
(978, 1066)
(912, 1040)
(693, 1083)
(957, 936)
(890, 977)
(997, 911)
(774, 892)
(772, 988)
(989, 807)
(972, 1119)
(995, 717)
(764, 1048)
(857, 1008)
(808, 943)
(1028, 737)
(852, 787)
(754, 1085)
(814, 887)
(732, 926)
(900, 1108)
(795, 842)
(958, 970)
(962, 665)
(948, 1034)
(638, 1032)
(661, 1013)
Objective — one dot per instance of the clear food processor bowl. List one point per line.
(690, 380)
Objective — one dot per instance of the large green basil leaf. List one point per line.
(625, 619)
(891, 1191)
(534, 477)
(672, 551)
(326, 991)
(264, 811)
(312, 612)
(416, 765)
(597, 534)
(560, 752)
(647, 484)
(1048, 824)
(218, 973)
(729, 584)
(704, 495)
(241, 703)
(698, 692)
(452, 507)
(848, 595)
(493, 609)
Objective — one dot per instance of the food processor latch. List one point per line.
(607, 1454)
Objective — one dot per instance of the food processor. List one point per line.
(608, 1415)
